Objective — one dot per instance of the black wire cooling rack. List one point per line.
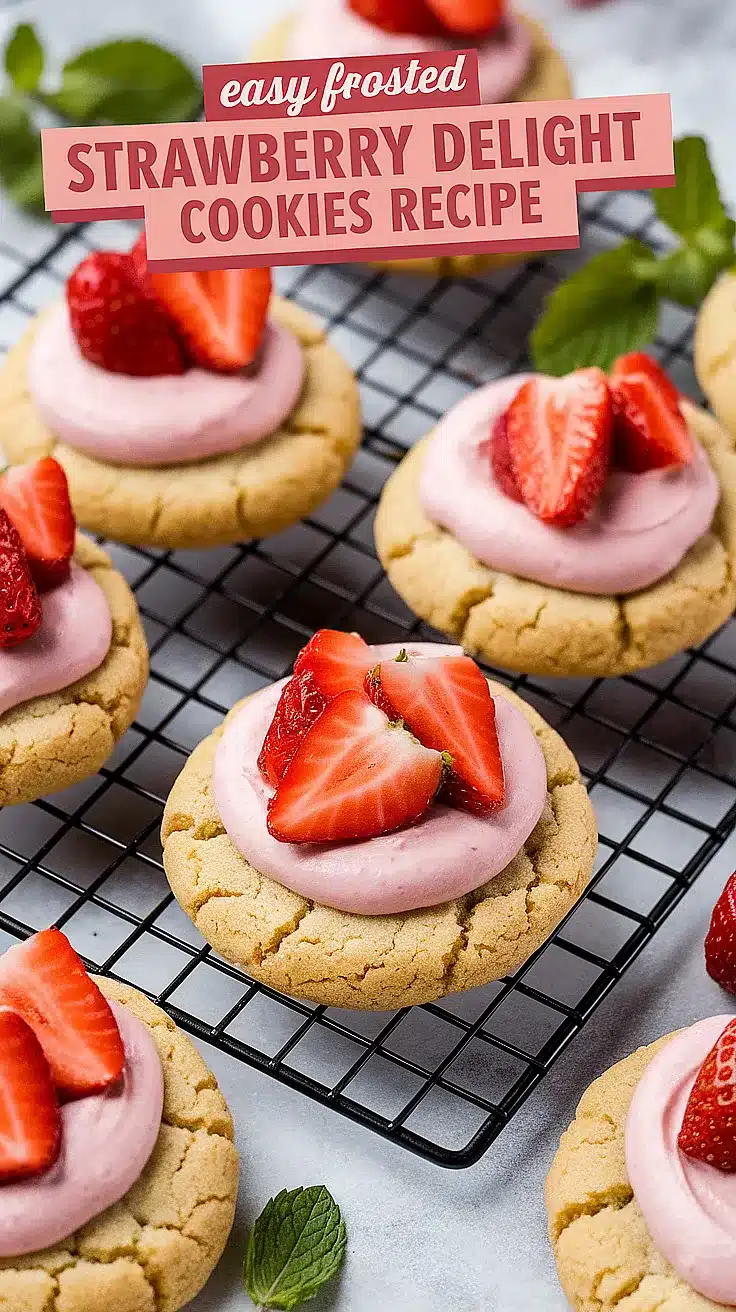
(658, 750)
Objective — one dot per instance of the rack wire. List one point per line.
(658, 749)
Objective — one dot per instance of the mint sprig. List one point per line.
(127, 81)
(296, 1246)
(611, 305)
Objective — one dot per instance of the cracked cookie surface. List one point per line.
(155, 1249)
(52, 742)
(538, 629)
(250, 493)
(379, 962)
(547, 79)
(606, 1258)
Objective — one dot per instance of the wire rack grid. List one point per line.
(658, 749)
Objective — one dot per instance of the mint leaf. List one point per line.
(296, 1245)
(24, 58)
(607, 308)
(20, 155)
(687, 274)
(127, 82)
(694, 202)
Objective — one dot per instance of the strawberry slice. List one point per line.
(30, 1123)
(500, 454)
(469, 17)
(45, 981)
(119, 325)
(301, 703)
(354, 776)
(650, 431)
(720, 942)
(560, 440)
(20, 604)
(708, 1131)
(446, 702)
(36, 499)
(220, 313)
(413, 17)
(339, 661)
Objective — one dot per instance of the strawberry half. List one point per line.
(301, 703)
(720, 941)
(708, 1131)
(500, 455)
(45, 981)
(339, 661)
(413, 17)
(559, 433)
(650, 431)
(220, 313)
(446, 703)
(36, 499)
(354, 776)
(30, 1123)
(20, 604)
(117, 324)
(469, 17)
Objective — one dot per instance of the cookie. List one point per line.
(379, 962)
(250, 493)
(605, 1255)
(539, 629)
(715, 349)
(548, 79)
(155, 1249)
(52, 742)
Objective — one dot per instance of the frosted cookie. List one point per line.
(381, 829)
(715, 349)
(187, 409)
(641, 1196)
(517, 62)
(73, 657)
(118, 1172)
(576, 526)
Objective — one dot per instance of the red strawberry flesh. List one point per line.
(30, 1123)
(118, 325)
(469, 17)
(299, 706)
(720, 942)
(410, 17)
(220, 314)
(45, 981)
(501, 463)
(20, 604)
(339, 661)
(708, 1131)
(36, 500)
(650, 431)
(354, 776)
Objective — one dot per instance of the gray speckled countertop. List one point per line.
(421, 1238)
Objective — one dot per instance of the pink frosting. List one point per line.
(443, 856)
(159, 421)
(328, 29)
(73, 639)
(106, 1140)
(689, 1207)
(640, 530)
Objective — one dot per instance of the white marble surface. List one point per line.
(421, 1238)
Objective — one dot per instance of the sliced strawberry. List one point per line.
(339, 661)
(446, 703)
(500, 456)
(30, 1122)
(708, 1131)
(117, 324)
(20, 604)
(650, 431)
(36, 499)
(469, 17)
(45, 981)
(559, 433)
(720, 942)
(139, 257)
(300, 704)
(413, 17)
(220, 313)
(353, 776)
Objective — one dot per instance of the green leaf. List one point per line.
(24, 58)
(607, 308)
(127, 82)
(694, 202)
(20, 155)
(687, 274)
(296, 1245)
